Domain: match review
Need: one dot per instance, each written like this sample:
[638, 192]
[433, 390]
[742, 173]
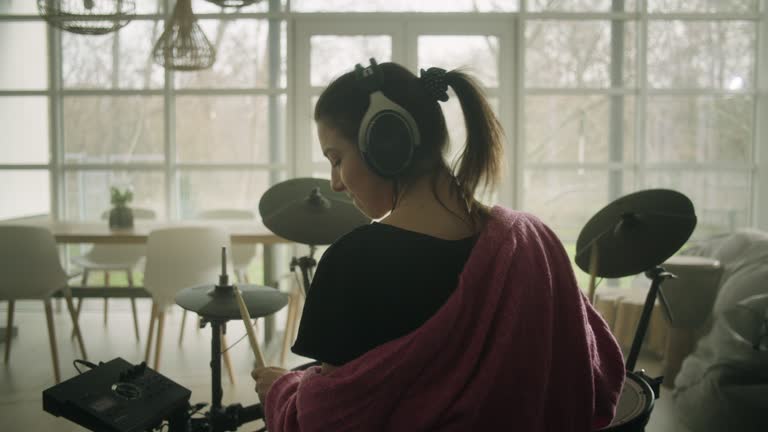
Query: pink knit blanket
[516, 347]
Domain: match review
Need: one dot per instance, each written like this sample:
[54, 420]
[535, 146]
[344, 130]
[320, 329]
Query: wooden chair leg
[78, 308]
[106, 305]
[297, 317]
[152, 318]
[290, 319]
[9, 330]
[52, 339]
[242, 276]
[158, 344]
[83, 282]
[183, 321]
[133, 306]
[75, 324]
[227, 361]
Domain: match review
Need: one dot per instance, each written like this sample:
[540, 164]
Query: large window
[97, 111]
[599, 98]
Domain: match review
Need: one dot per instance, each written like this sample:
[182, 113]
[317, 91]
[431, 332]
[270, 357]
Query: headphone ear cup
[388, 136]
[388, 144]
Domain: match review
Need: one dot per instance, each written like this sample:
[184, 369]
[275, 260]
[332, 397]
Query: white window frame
[404, 29]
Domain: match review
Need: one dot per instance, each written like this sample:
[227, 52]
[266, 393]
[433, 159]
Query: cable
[83, 362]
[239, 340]
[197, 407]
[162, 427]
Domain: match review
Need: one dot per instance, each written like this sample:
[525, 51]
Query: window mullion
[760, 147]
[616, 116]
[55, 131]
[642, 98]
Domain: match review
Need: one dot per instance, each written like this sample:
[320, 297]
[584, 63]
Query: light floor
[29, 370]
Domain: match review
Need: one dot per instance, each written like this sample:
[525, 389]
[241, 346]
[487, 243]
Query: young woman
[445, 314]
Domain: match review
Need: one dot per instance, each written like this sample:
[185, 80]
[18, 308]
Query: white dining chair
[110, 258]
[30, 270]
[178, 258]
[242, 255]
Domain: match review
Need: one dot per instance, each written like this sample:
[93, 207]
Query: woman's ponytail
[480, 162]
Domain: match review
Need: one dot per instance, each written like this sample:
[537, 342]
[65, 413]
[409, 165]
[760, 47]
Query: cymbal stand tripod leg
[657, 276]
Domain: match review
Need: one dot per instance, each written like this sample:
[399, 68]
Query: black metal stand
[307, 265]
[222, 418]
[657, 276]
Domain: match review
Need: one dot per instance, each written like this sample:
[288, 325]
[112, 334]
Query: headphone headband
[369, 77]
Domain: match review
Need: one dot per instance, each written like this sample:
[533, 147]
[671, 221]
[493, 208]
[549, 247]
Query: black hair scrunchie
[433, 80]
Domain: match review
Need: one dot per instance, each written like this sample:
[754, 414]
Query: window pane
[113, 129]
[148, 6]
[317, 152]
[24, 54]
[137, 68]
[222, 129]
[578, 5]
[242, 56]
[567, 199]
[577, 128]
[24, 122]
[404, 5]
[699, 128]
[19, 7]
[702, 6]
[721, 199]
[202, 190]
[30, 193]
[86, 61]
[87, 193]
[203, 6]
[479, 54]
[333, 56]
[693, 54]
[577, 53]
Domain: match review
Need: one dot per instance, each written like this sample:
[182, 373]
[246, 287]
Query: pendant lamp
[183, 45]
[88, 17]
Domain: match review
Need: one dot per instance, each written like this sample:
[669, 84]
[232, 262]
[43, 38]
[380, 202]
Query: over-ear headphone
[388, 134]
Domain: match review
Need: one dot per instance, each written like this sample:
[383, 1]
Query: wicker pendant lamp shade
[183, 45]
[233, 3]
[88, 17]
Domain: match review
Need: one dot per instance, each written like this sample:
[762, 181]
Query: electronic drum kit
[634, 234]
[303, 210]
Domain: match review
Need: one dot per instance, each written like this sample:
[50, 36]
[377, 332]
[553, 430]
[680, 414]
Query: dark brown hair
[344, 102]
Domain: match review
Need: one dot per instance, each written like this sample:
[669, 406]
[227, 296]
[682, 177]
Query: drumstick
[248, 328]
[592, 272]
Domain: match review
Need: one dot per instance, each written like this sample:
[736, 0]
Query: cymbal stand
[221, 418]
[657, 276]
[307, 265]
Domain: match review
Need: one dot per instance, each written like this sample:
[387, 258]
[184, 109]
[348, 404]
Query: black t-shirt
[374, 285]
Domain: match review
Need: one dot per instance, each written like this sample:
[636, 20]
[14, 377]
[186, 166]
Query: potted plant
[121, 216]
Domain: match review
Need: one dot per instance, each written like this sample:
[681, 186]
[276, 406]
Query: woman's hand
[264, 378]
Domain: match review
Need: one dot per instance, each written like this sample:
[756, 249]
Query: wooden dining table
[89, 232]
[99, 232]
